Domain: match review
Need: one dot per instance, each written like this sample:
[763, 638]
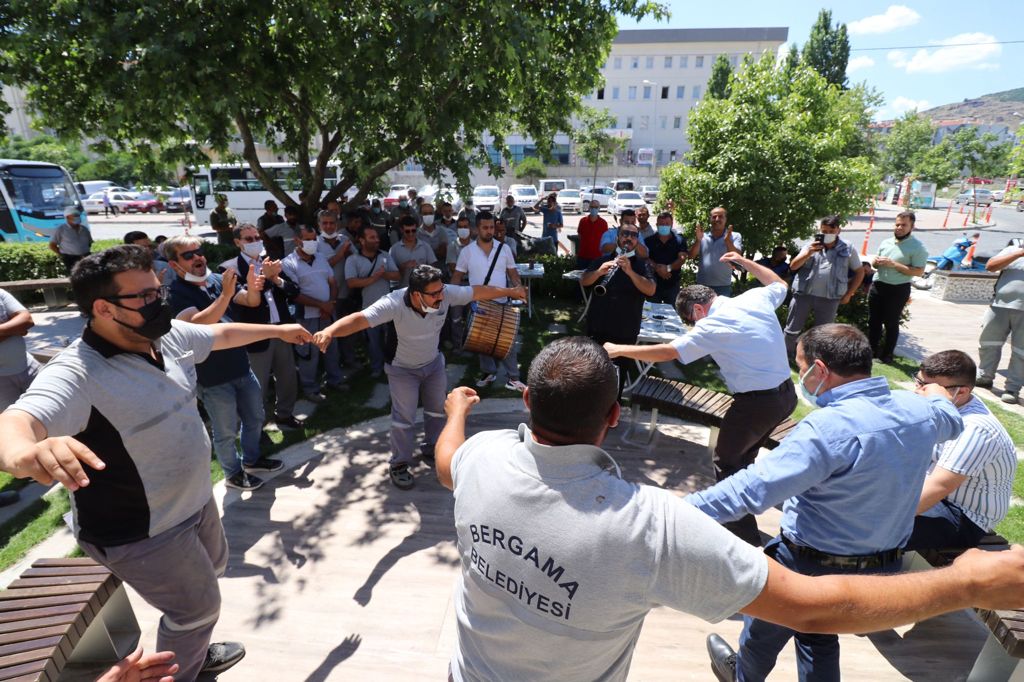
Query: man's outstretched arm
[457, 406]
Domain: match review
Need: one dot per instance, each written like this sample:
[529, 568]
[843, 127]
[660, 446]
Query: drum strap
[494, 261]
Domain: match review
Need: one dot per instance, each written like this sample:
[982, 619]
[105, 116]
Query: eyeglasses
[920, 383]
[433, 294]
[248, 240]
[632, 234]
[147, 295]
[413, 231]
[189, 255]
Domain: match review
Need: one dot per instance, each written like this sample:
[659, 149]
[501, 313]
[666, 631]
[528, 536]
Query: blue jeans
[308, 358]
[817, 656]
[944, 526]
[237, 400]
[409, 387]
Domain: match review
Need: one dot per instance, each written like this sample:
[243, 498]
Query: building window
[647, 92]
[684, 61]
[650, 62]
[615, 92]
[664, 92]
[663, 122]
[680, 91]
[618, 62]
[600, 93]
[672, 156]
[668, 62]
[659, 155]
[634, 62]
[696, 92]
[698, 61]
[645, 122]
[677, 122]
[632, 92]
[629, 122]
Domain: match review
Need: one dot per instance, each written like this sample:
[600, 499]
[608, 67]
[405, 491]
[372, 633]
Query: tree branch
[249, 154]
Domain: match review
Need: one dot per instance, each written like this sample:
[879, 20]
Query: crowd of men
[868, 475]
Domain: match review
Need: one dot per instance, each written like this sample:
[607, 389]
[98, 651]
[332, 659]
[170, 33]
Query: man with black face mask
[900, 259]
[113, 417]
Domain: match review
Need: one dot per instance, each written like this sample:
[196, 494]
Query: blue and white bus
[33, 196]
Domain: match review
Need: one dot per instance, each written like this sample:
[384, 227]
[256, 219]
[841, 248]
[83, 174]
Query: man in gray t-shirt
[1004, 320]
[17, 367]
[369, 273]
[708, 249]
[417, 368]
[411, 251]
[562, 558]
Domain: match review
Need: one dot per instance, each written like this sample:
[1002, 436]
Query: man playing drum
[415, 366]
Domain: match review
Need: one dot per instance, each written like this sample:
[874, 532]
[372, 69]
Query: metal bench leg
[54, 297]
[995, 665]
[112, 635]
[634, 418]
[712, 441]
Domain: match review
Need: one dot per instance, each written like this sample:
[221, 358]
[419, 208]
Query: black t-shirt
[665, 253]
[222, 365]
[616, 316]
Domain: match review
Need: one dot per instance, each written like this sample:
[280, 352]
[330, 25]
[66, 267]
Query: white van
[623, 184]
[549, 185]
[90, 187]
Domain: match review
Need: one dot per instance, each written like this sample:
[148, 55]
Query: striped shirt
[985, 454]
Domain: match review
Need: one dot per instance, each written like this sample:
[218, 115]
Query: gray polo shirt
[421, 253]
[71, 241]
[358, 266]
[562, 559]
[13, 359]
[1010, 285]
[418, 334]
[712, 271]
[140, 416]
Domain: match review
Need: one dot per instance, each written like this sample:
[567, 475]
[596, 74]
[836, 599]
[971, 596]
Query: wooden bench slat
[34, 670]
[71, 561]
[33, 623]
[57, 581]
[59, 600]
[65, 570]
[39, 656]
[15, 616]
[50, 591]
[34, 633]
[41, 643]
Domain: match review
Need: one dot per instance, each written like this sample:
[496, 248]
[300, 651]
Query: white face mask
[830, 238]
[627, 254]
[252, 249]
[189, 277]
[428, 220]
[463, 233]
[309, 246]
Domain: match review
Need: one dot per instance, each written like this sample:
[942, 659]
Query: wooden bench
[55, 290]
[64, 619]
[693, 403]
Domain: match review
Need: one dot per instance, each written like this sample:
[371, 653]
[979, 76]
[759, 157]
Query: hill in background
[994, 109]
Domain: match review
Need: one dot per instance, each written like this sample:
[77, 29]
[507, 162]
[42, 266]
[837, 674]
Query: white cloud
[895, 17]
[902, 105]
[858, 63]
[977, 55]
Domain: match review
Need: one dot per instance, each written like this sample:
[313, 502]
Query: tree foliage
[774, 154]
[718, 82]
[530, 168]
[121, 167]
[593, 142]
[364, 84]
[976, 153]
[907, 144]
[827, 49]
[42, 148]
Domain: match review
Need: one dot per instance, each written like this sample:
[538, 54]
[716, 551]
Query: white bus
[246, 194]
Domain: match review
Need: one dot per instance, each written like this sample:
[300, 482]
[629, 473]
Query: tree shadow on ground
[941, 648]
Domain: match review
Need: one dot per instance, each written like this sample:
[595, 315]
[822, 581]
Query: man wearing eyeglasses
[229, 390]
[967, 491]
[113, 418]
[411, 251]
[417, 368]
[621, 281]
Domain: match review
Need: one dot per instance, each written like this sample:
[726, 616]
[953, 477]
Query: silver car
[981, 197]
[570, 201]
[650, 193]
[487, 198]
[603, 195]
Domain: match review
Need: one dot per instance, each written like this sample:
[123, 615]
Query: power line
[935, 47]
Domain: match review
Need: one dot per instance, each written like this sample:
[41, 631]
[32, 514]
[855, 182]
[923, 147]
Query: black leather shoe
[723, 659]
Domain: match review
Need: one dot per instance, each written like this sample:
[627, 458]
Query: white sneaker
[486, 381]
[515, 385]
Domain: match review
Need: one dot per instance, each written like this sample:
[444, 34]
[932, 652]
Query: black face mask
[157, 319]
[899, 238]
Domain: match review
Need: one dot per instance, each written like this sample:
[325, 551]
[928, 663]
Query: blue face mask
[664, 230]
[811, 397]
[594, 212]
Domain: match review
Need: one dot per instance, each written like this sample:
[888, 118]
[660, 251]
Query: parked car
[394, 193]
[620, 184]
[981, 197]
[603, 195]
[435, 195]
[623, 200]
[144, 203]
[93, 203]
[650, 193]
[486, 198]
[570, 201]
[525, 196]
[549, 185]
[178, 200]
[978, 181]
[998, 195]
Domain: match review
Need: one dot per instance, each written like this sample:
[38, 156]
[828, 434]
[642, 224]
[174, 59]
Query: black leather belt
[840, 561]
[767, 391]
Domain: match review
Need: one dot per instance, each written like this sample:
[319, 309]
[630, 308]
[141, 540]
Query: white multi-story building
[653, 77]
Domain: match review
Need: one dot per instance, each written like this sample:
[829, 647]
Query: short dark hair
[951, 364]
[421, 276]
[573, 385]
[484, 215]
[268, 203]
[907, 214]
[292, 210]
[407, 221]
[831, 221]
[93, 277]
[779, 248]
[236, 232]
[308, 228]
[134, 236]
[842, 347]
[690, 296]
[627, 212]
[363, 228]
[353, 214]
[665, 215]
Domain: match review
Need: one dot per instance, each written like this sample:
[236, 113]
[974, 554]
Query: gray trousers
[489, 365]
[309, 358]
[427, 384]
[996, 326]
[800, 308]
[176, 572]
[13, 385]
[279, 360]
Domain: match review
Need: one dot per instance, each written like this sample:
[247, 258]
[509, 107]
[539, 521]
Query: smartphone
[819, 238]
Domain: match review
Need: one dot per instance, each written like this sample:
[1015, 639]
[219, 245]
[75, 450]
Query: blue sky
[920, 77]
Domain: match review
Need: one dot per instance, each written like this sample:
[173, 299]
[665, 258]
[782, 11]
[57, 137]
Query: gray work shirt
[327, 251]
[139, 415]
[72, 241]
[358, 266]
[1010, 285]
[12, 349]
[824, 261]
[418, 334]
[421, 253]
[562, 559]
[711, 271]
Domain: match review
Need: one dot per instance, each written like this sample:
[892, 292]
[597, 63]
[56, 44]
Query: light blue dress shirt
[849, 475]
[744, 337]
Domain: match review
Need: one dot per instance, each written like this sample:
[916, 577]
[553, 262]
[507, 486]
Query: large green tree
[775, 154]
[42, 148]
[593, 142]
[718, 82]
[827, 49]
[365, 83]
[531, 168]
[907, 143]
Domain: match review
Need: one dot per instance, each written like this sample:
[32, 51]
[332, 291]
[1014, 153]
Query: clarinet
[601, 288]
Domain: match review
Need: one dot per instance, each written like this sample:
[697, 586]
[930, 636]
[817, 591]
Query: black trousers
[745, 427]
[69, 261]
[885, 305]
